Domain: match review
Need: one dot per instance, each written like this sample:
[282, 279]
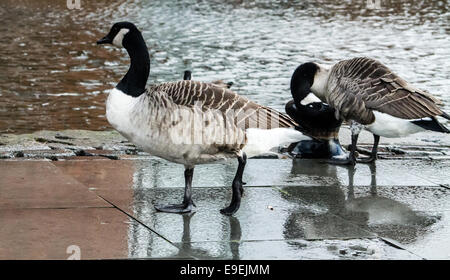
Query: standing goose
[189, 122]
[369, 95]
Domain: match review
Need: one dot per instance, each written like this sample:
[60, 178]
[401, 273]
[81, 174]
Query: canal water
[53, 76]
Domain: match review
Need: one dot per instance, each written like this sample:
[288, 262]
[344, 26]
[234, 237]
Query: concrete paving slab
[374, 249]
[434, 244]
[255, 219]
[316, 173]
[100, 173]
[259, 172]
[39, 184]
[325, 206]
[435, 171]
[394, 198]
[416, 216]
[285, 202]
[405, 214]
[94, 233]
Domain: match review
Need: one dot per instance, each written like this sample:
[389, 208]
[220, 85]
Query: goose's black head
[187, 75]
[316, 119]
[122, 34]
[302, 80]
[125, 34]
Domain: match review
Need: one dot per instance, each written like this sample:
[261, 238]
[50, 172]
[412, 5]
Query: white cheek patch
[320, 82]
[310, 98]
[117, 41]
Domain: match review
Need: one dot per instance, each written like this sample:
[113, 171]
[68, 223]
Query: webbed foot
[230, 210]
[366, 159]
[175, 208]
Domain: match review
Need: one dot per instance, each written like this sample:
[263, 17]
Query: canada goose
[369, 95]
[317, 120]
[187, 75]
[189, 122]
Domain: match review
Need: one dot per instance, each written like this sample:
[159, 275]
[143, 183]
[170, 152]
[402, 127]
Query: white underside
[262, 141]
[124, 115]
[391, 127]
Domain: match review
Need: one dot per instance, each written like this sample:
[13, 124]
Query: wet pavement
[398, 208]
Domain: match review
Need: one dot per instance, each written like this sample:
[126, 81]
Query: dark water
[53, 76]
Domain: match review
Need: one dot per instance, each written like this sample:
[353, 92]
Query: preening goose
[315, 119]
[189, 122]
[369, 95]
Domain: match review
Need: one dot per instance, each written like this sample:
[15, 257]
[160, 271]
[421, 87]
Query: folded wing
[360, 85]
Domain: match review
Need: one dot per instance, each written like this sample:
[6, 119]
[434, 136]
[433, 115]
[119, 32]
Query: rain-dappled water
[53, 75]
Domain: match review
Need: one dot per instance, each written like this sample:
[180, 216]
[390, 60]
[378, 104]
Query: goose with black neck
[315, 119]
[368, 95]
[186, 121]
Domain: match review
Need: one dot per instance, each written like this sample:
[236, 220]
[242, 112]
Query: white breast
[118, 109]
[135, 120]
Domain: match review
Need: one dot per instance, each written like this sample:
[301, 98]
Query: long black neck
[134, 82]
[300, 88]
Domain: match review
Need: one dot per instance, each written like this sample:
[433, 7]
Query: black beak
[104, 40]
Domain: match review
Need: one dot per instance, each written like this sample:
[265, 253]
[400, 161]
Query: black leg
[373, 180]
[351, 177]
[373, 154]
[187, 204]
[237, 188]
[235, 237]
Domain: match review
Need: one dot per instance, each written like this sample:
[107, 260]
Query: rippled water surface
[53, 75]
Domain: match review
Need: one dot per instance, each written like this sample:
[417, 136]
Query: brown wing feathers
[363, 84]
[210, 96]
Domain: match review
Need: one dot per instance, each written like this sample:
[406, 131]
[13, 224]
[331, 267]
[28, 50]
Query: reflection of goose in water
[188, 250]
[318, 173]
[235, 237]
[144, 244]
[387, 216]
[324, 209]
[141, 243]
